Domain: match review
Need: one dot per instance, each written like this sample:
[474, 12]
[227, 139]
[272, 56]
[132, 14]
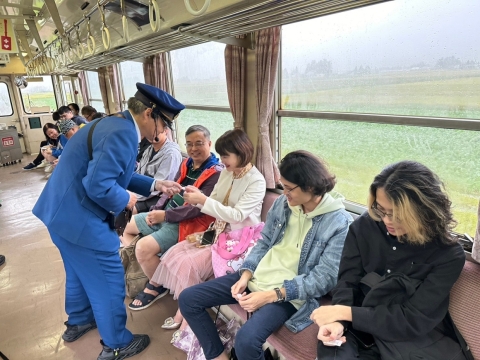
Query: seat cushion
[464, 299]
[268, 201]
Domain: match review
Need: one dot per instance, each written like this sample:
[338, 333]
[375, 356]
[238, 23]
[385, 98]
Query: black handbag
[119, 222]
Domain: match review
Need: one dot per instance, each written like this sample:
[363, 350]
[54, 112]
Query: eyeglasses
[197, 145]
[287, 192]
[380, 213]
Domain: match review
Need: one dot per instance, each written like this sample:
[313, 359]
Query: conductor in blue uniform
[77, 204]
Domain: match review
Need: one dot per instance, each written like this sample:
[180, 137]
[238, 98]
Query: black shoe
[136, 346]
[30, 166]
[2, 260]
[74, 332]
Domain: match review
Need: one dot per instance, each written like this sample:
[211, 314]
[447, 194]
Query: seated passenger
[51, 133]
[142, 146]
[403, 243]
[160, 161]
[235, 202]
[74, 108]
[294, 264]
[67, 114]
[90, 113]
[67, 129]
[172, 219]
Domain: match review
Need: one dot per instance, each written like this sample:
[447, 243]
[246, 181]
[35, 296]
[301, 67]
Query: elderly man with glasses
[171, 219]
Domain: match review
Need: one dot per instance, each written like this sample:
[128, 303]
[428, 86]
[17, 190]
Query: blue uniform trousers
[95, 289]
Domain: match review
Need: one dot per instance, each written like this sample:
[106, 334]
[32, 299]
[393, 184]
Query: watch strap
[280, 297]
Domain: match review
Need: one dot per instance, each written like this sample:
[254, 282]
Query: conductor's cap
[161, 103]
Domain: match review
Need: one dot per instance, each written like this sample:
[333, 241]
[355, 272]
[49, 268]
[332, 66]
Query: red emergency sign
[8, 141]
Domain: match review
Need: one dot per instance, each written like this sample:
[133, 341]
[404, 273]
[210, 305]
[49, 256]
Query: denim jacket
[319, 258]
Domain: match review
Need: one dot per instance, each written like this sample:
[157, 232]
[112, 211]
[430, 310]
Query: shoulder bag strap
[89, 140]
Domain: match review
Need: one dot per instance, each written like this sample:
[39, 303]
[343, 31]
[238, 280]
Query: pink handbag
[232, 248]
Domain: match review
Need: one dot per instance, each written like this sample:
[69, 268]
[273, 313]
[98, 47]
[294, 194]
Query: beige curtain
[235, 68]
[476, 243]
[82, 79]
[156, 72]
[113, 78]
[104, 84]
[267, 53]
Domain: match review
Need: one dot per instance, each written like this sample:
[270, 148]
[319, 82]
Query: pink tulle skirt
[182, 266]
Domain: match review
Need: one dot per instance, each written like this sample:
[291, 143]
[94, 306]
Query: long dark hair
[419, 202]
[45, 129]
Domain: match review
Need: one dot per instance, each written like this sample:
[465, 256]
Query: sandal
[170, 324]
[148, 299]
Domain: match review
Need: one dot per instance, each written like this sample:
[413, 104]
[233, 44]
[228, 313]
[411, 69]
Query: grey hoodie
[163, 166]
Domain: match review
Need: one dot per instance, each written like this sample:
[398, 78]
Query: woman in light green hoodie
[295, 263]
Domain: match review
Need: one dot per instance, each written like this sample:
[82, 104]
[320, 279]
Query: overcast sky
[391, 34]
[397, 33]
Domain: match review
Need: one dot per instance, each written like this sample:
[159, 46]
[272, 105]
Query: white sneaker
[48, 168]
[43, 164]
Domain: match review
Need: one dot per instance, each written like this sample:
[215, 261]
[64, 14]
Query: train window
[39, 93]
[215, 121]
[6, 108]
[94, 92]
[199, 74]
[131, 73]
[403, 57]
[356, 152]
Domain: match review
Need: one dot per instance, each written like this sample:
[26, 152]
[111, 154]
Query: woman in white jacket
[235, 202]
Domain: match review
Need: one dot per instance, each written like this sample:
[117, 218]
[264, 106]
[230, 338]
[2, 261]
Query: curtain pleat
[267, 54]
[235, 68]
[104, 84]
[155, 71]
[112, 71]
[82, 79]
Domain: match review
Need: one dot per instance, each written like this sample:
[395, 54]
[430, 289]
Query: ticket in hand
[333, 343]
[239, 296]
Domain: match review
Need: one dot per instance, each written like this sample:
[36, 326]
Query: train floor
[32, 283]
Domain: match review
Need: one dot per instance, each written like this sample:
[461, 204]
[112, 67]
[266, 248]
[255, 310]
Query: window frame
[390, 119]
[90, 99]
[124, 101]
[10, 99]
[43, 112]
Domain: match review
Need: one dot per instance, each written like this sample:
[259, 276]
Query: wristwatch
[280, 297]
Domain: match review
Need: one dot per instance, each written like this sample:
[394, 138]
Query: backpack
[135, 279]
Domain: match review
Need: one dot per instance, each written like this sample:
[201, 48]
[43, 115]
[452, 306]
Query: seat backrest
[268, 200]
[464, 300]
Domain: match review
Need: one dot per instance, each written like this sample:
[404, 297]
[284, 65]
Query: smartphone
[208, 237]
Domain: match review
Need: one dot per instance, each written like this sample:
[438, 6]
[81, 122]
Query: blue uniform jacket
[80, 193]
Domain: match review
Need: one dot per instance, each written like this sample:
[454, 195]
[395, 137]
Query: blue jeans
[252, 335]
